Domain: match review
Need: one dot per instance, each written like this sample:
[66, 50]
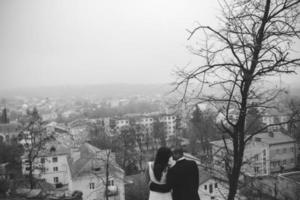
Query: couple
[179, 181]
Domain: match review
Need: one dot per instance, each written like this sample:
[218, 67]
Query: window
[92, 186]
[284, 150]
[54, 159]
[216, 185]
[55, 169]
[292, 160]
[55, 179]
[205, 187]
[292, 149]
[256, 169]
[111, 182]
[43, 169]
[284, 162]
[42, 160]
[52, 149]
[210, 188]
[277, 150]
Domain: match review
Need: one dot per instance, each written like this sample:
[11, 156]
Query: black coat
[182, 179]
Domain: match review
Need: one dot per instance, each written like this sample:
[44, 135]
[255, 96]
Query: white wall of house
[213, 189]
[54, 169]
[282, 155]
[256, 156]
[93, 187]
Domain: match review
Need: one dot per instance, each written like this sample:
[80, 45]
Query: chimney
[271, 134]
[75, 154]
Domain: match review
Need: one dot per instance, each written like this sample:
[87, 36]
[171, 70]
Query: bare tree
[159, 132]
[139, 135]
[253, 43]
[127, 153]
[35, 138]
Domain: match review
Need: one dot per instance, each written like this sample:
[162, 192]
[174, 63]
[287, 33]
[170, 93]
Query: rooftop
[92, 160]
[294, 176]
[53, 148]
[274, 138]
[267, 138]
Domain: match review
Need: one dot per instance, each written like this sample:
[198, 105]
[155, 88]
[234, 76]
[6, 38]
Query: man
[182, 178]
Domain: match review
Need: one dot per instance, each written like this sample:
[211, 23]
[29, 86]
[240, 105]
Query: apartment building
[256, 155]
[120, 123]
[265, 154]
[282, 150]
[170, 124]
[146, 123]
[275, 119]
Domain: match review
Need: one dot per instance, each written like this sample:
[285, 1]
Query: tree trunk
[107, 175]
[31, 181]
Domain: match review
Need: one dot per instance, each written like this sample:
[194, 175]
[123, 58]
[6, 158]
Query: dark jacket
[183, 179]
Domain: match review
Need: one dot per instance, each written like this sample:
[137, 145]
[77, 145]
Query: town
[150, 100]
[57, 149]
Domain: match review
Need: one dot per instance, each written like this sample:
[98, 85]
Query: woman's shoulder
[150, 164]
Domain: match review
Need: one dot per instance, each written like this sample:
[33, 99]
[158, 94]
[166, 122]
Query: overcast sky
[66, 42]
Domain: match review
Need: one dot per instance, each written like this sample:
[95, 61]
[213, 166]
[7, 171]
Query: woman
[157, 174]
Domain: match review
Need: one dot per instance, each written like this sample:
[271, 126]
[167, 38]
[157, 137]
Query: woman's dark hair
[161, 161]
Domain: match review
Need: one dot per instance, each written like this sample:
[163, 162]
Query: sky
[78, 42]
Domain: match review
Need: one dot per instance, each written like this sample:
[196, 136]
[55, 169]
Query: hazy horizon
[89, 42]
[75, 42]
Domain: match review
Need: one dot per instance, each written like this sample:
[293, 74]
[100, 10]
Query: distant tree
[138, 189]
[4, 117]
[148, 139]
[139, 137]
[253, 120]
[159, 132]
[203, 129]
[127, 154]
[4, 186]
[11, 153]
[99, 138]
[36, 137]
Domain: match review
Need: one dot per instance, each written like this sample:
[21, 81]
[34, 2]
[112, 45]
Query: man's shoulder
[189, 163]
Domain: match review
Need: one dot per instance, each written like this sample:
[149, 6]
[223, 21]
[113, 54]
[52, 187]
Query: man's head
[177, 153]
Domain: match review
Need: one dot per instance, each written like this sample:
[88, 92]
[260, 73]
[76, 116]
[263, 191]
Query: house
[5, 172]
[264, 154]
[89, 174]
[212, 187]
[51, 164]
[282, 150]
[255, 157]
